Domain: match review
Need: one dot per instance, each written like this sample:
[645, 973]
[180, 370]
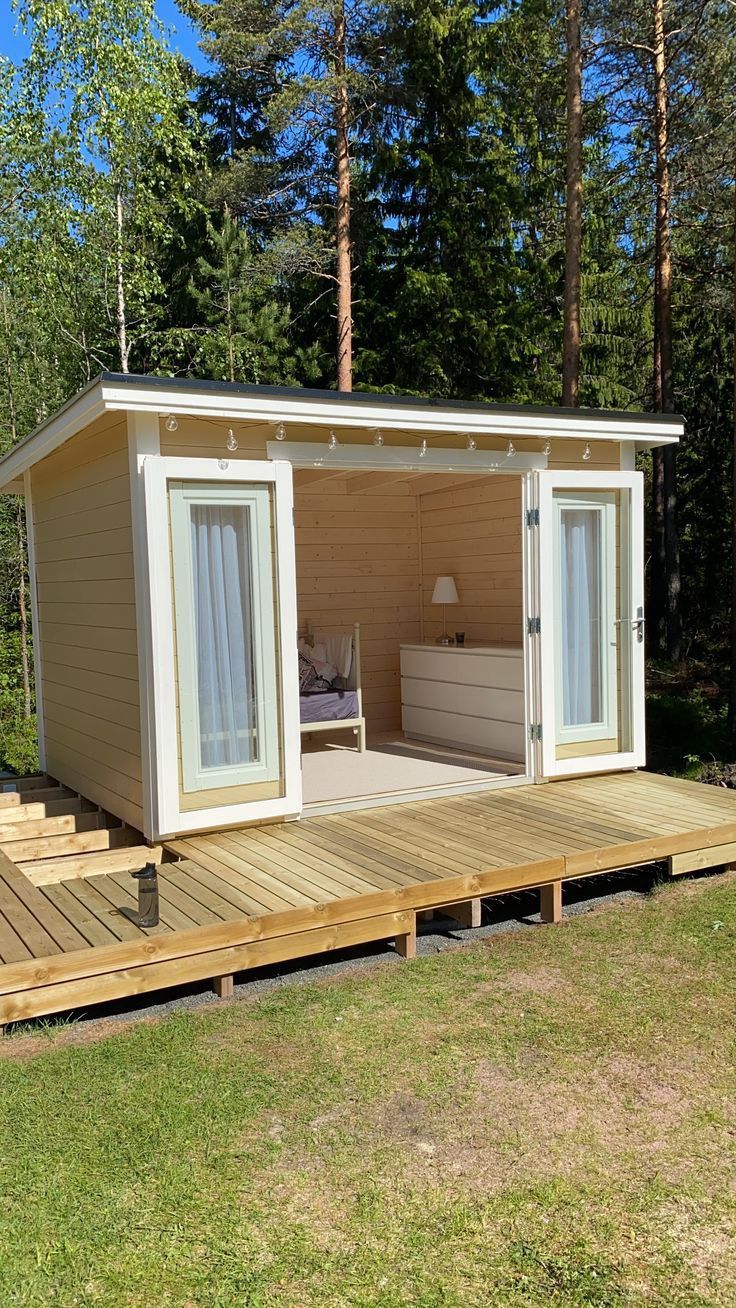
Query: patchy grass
[543, 1119]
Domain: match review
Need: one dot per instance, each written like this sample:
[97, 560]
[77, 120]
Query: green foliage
[18, 740]
[243, 332]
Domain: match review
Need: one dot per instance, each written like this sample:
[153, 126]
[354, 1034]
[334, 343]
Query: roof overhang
[271, 405]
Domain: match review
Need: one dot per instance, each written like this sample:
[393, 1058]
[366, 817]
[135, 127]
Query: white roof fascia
[435, 419]
[104, 396]
[75, 415]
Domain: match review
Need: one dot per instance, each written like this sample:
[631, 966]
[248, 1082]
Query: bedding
[328, 706]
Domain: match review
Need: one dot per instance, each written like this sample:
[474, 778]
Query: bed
[330, 702]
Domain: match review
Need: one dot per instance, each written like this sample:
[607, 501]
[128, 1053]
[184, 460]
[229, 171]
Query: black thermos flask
[147, 879]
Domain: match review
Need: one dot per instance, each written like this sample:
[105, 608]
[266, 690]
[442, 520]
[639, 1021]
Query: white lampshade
[445, 591]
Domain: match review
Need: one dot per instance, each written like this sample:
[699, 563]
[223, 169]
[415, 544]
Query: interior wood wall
[357, 560]
[473, 533]
[87, 618]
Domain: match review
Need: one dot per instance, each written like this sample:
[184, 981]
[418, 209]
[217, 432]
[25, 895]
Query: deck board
[243, 897]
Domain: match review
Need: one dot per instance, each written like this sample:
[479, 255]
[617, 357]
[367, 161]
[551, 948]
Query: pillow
[307, 673]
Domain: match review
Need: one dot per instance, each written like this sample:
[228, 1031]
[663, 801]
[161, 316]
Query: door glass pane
[223, 619]
[580, 616]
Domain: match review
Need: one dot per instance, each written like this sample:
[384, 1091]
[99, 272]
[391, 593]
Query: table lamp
[445, 592]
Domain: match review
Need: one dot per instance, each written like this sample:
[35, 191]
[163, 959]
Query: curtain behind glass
[221, 573]
[581, 635]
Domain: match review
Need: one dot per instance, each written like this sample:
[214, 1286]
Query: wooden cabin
[258, 611]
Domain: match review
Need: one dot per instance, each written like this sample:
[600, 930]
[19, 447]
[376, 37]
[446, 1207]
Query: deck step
[34, 812]
[60, 825]
[49, 871]
[81, 842]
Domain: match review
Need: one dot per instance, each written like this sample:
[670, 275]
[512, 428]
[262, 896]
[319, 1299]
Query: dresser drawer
[469, 701]
[501, 671]
[498, 739]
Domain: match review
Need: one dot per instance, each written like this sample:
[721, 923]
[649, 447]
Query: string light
[280, 432]
[586, 452]
[423, 448]
[333, 442]
[223, 465]
[171, 424]
[510, 450]
[378, 437]
[232, 440]
[471, 443]
[547, 448]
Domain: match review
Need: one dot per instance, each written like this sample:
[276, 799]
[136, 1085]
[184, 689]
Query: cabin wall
[87, 619]
[473, 534]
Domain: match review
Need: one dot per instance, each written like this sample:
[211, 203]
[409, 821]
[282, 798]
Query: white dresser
[466, 695]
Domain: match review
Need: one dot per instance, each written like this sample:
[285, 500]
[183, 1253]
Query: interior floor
[334, 770]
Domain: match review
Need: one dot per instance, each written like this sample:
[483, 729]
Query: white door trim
[170, 820]
[548, 483]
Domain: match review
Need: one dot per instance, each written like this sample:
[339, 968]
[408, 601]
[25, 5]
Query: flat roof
[239, 401]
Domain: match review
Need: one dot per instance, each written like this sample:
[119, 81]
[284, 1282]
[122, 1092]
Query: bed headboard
[312, 636]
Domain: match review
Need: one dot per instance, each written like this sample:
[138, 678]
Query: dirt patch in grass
[20, 1045]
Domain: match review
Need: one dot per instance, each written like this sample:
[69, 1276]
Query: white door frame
[168, 818]
[545, 663]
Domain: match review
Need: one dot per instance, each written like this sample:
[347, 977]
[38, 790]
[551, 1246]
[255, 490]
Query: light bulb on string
[547, 448]
[586, 452]
[171, 423]
[471, 443]
[280, 432]
[423, 448]
[510, 450]
[223, 465]
[378, 437]
[232, 440]
[333, 442]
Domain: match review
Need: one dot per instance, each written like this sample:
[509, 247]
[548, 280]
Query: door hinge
[532, 517]
[533, 626]
[535, 731]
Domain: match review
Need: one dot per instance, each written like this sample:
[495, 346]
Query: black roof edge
[373, 397]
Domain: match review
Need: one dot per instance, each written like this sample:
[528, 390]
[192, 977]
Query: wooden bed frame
[354, 682]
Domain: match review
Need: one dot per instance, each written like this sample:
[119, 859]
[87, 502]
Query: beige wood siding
[473, 534]
[87, 618]
[357, 560]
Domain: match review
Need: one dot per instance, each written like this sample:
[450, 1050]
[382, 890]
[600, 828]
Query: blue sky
[182, 36]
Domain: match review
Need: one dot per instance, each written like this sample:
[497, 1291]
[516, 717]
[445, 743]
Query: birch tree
[106, 87]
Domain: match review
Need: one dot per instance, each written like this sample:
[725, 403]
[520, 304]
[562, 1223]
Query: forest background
[526, 201]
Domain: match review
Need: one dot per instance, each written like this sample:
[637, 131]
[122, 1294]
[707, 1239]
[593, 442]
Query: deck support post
[466, 914]
[425, 915]
[223, 986]
[550, 902]
[406, 945]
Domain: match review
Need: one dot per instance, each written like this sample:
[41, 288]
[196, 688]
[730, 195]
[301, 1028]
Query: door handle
[636, 624]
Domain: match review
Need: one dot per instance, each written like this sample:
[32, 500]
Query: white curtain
[580, 582]
[223, 616]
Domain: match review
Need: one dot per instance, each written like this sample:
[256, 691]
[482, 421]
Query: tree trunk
[573, 209]
[344, 266]
[23, 609]
[121, 313]
[663, 373]
[732, 685]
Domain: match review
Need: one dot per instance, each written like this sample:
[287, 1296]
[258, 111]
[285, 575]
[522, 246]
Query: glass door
[591, 637]
[225, 637]
[221, 564]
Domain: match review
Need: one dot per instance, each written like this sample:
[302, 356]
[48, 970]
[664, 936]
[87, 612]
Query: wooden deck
[240, 899]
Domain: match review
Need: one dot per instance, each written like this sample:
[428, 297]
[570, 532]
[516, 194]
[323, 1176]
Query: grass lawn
[543, 1119]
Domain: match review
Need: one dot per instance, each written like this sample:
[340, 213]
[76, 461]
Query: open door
[591, 630]
[223, 639]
